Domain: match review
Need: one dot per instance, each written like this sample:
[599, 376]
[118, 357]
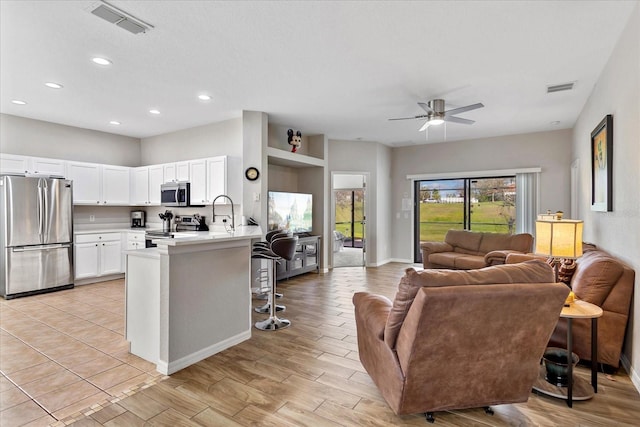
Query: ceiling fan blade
[458, 120]
[424, 126]
[426, 107]
[410, 118]
[463, 109]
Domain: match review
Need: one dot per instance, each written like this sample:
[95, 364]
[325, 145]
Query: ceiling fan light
[436, 121]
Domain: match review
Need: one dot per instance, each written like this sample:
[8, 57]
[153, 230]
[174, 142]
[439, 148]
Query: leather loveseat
[607, 282]
[459, 339]
[465, 250]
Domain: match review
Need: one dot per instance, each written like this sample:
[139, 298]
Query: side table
[576, 310]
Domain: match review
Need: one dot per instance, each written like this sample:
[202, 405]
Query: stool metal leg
[273, 323]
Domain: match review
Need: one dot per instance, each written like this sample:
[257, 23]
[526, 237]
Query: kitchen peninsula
[189, 297]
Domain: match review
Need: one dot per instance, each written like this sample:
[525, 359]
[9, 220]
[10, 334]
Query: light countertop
[215, 234]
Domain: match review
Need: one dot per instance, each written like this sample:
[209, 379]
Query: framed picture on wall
[602, 166]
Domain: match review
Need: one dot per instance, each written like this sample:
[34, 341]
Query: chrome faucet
[213, 213]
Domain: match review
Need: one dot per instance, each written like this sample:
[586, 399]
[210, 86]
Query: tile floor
[63, 353]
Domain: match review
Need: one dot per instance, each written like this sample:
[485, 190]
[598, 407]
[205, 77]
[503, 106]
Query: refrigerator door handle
[40, 213]
[45, 210]
[41, 247]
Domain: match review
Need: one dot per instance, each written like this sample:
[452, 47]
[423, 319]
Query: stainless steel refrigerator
[36, 220]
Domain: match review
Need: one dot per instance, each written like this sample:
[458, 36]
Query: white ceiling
[338, 68]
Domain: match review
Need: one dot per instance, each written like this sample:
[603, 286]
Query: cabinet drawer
[99, 237]
[135, 237]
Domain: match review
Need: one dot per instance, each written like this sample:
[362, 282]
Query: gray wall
[618, 93]
[374, 158]
[215, 139]
[29, 137]
[550, 151]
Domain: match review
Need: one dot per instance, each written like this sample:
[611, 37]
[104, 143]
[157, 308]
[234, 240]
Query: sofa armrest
[372, 312]
[515, 258]
[433, 247]
[499, 257]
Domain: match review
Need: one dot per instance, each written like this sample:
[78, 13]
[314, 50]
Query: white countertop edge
[202, 237]
[144, 253]
[110, 230]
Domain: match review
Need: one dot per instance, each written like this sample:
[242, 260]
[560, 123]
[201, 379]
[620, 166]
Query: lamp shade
[559, 238]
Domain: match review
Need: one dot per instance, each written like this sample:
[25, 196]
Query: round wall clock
[252, 173]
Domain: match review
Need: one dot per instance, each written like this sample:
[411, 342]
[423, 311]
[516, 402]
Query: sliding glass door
[478, 204]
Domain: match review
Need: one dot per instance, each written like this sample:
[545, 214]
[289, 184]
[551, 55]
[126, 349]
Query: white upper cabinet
[98, 184]
[140, 186]
[170, 173]
[198, 180]
[115, 185]
[217, 179]
[15, 164]
[156, 179]
[86, 183]
[95, 184]
[182, 171]
[145, 186]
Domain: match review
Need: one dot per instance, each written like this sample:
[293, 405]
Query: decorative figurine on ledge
[295, 140]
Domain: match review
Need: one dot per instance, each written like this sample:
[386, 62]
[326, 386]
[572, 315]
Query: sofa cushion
[469, 262]
[534, 271]
[517, 242]
[444, 258]
[466, 242]
[596, 274]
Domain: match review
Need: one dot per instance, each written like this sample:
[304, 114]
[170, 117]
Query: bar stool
[282, 248]
[262, 273]
[264, 288]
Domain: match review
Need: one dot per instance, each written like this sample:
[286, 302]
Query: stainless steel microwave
[175, 194]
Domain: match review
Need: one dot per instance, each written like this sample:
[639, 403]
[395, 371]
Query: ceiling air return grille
[121, 19]
[560, 87]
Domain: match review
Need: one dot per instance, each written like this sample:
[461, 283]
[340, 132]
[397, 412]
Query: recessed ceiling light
[53, 85]
[18, 102]
[101, 61]
[555, 123]
[204, 97]
[114, 122]
[154, 111]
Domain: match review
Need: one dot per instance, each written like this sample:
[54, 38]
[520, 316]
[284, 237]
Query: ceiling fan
[436, 115]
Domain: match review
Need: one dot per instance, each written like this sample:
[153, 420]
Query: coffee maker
[137, 219]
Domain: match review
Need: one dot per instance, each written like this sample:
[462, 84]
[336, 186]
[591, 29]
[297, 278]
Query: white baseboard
[90, 280]
[401, 260]
[633, 374]
[188, 360]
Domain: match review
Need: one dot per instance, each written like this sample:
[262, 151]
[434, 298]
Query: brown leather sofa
[465, 250]
[605, 281]
[459, 339]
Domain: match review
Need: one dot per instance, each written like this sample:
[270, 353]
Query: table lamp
[558, 238]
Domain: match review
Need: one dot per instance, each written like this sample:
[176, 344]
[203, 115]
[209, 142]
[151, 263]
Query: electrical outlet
[92, 218]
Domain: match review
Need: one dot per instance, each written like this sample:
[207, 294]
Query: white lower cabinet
[97, 255]
[135, 240]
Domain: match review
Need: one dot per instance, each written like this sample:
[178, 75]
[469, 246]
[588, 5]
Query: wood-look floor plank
[212, 418]
[304, 418]
[310, 374]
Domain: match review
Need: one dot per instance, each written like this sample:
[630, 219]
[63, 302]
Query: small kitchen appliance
[191, 223]
[175, 194]
[137, 219]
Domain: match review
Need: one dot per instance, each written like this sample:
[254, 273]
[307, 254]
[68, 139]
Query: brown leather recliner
[607, 282]
[459, 339]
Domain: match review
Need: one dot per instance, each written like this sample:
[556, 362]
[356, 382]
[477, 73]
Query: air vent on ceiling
[560, 87]
[121, 19]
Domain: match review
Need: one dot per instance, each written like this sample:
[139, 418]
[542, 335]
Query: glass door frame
[467, 208]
